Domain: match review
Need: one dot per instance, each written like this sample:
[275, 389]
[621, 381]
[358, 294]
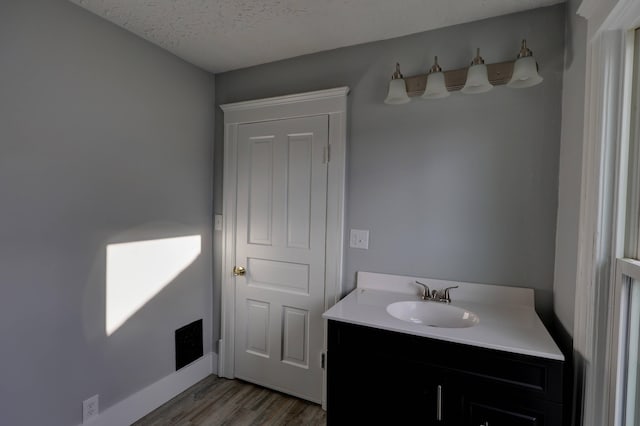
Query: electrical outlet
[90, 408]
[359, 238]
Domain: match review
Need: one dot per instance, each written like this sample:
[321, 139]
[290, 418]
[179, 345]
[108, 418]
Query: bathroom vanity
[503, 368]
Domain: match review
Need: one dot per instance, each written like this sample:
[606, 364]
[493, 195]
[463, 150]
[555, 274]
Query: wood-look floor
[217, 401]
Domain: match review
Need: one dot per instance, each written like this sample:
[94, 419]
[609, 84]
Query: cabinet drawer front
[510, 412]
[484, 415]
[539, 377]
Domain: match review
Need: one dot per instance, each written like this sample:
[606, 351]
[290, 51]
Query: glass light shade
[436, 87]
[525, 73]
[397, 92]
[477, 80]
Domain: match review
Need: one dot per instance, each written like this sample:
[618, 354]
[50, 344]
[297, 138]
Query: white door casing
[280, 240]
[331, 103]
[601, 213]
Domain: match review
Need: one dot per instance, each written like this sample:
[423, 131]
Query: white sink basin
[433, 314]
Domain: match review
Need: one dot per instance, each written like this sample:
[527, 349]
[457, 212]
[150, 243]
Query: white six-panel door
[281, 242]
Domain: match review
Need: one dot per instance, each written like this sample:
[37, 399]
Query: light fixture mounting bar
[499, 73]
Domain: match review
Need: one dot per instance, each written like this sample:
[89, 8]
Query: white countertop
[512, 327]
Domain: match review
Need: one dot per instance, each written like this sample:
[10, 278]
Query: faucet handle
[425, 290]
[445, 292]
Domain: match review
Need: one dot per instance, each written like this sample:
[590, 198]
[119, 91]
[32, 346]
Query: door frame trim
[331, 102]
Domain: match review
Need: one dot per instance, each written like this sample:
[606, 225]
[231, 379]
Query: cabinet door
[415, 393]
[421, 394]
[377, 390]
[375, 379]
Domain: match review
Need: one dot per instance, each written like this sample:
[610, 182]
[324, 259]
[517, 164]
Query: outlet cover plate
[359, 238]
[90, 408]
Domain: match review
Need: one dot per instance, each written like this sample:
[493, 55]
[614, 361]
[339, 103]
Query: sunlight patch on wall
[137, 271]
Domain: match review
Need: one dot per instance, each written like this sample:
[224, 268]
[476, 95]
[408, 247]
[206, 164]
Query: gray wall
[103, 138]
[564, 286]
[463, 188]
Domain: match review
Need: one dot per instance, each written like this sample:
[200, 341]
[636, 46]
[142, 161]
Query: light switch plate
[359, 239]
[217, 222]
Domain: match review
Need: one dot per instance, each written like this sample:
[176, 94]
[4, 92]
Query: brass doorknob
[239, 270]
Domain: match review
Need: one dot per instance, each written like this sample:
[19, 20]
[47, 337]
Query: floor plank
[217, 401]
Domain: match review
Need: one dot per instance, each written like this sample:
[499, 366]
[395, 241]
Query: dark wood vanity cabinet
[384, 377]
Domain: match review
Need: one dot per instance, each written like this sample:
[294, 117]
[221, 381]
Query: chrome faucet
[441, 295]
[425, 294]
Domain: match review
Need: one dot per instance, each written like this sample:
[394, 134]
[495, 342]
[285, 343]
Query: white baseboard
[148, 399]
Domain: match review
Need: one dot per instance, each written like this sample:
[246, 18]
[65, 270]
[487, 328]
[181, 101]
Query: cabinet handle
[439, 402]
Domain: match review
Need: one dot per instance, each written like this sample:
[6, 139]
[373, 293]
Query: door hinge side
[326, 154]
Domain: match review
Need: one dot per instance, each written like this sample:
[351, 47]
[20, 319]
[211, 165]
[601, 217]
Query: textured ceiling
[221, 35]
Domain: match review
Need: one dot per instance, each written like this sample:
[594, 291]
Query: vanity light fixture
[478, 78]
[436, 87]
[525, 70]
[397, 89]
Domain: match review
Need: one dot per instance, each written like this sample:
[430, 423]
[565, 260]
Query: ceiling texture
[223, 35]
